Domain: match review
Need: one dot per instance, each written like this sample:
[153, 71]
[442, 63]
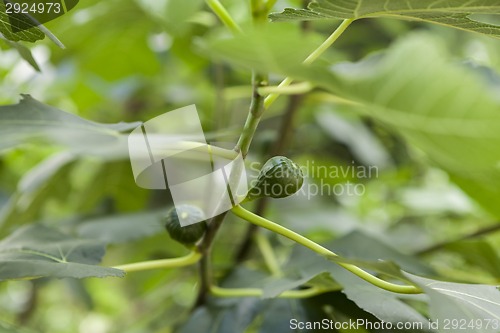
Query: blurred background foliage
[131, 60]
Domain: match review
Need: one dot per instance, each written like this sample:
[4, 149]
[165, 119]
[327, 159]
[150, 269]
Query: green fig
[280, 177]
[189, 234]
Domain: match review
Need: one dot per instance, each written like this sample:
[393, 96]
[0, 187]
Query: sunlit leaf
[452, 13]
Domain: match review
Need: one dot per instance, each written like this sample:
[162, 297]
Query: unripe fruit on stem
[189, 234]
[280, 177]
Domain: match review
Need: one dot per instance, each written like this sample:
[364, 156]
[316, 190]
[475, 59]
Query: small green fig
[280, 177]
[189, 234]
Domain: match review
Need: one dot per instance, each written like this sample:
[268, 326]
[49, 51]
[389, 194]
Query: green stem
[205, 248]
[267, 224]
[254, 115]
[255, 292]
[187, 260]
[242, 146]
[268, 254]
[298, 88]
[270, 99]
[328, 42]
[224, 15]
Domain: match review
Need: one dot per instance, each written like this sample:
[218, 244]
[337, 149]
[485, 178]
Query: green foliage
[419, 107]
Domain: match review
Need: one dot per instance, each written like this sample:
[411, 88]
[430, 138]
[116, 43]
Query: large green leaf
[31, 120]
[472, 308]
[36, 251]
[444, 109]
[452, 13]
